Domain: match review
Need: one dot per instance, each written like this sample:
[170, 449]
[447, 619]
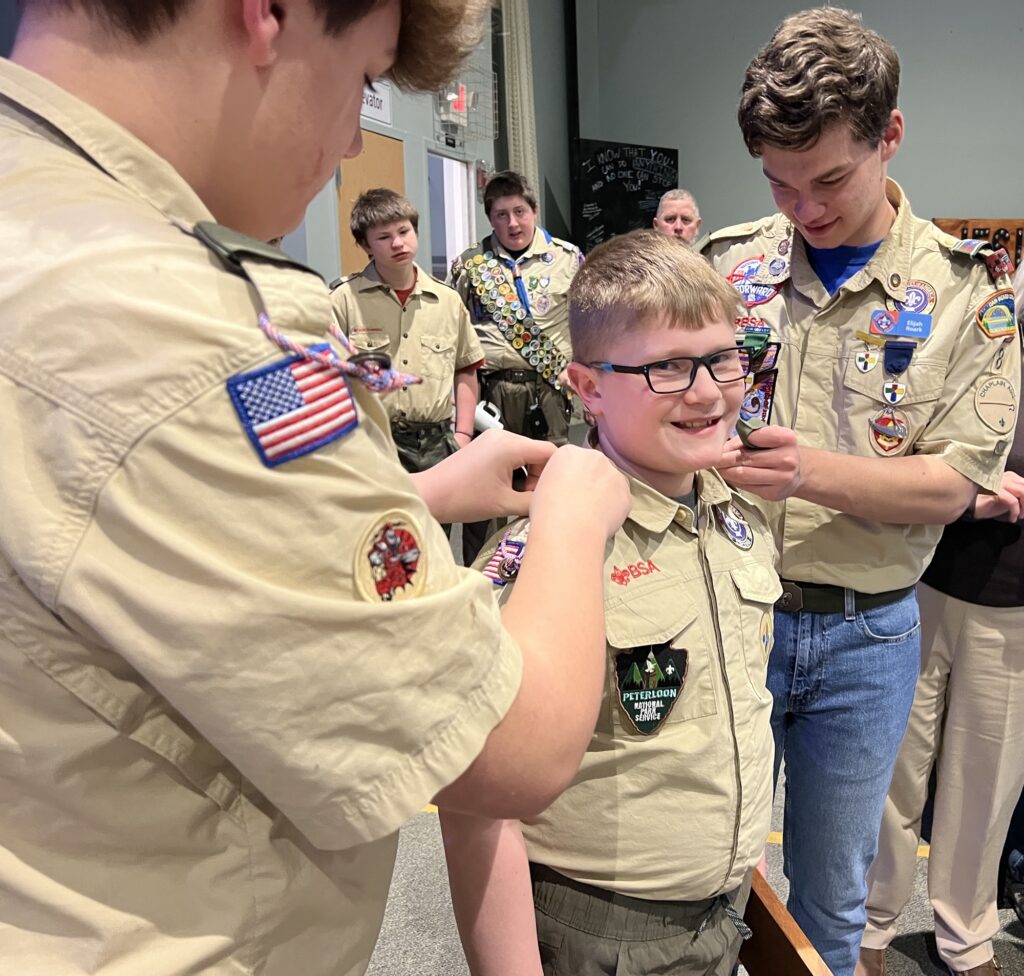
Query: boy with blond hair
[395, 307]
[637, 867]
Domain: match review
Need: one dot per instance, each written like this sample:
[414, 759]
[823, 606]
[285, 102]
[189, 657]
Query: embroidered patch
[752, 292]
[967, 246]
[503, 567]
[757, 401]
[998, 264]
[649, 681]
[390, 564]
[735, 526]
[995, 315]
[293, 407]
[996, 404]
[766, 634]
[921, 297]
[889, 431]
[622, 575]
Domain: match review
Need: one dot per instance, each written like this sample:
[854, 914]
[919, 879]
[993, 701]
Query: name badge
[908, 325]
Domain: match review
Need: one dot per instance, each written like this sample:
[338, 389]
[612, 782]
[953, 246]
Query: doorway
[452, 214]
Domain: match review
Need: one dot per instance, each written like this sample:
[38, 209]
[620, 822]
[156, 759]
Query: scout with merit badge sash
[299, 404]
[649, 679]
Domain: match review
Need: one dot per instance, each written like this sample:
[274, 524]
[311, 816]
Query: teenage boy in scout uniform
[636, 867]
[889, 347]
[393, 306]
[235, 653]
[515, 283]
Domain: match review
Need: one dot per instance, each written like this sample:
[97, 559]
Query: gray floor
[419, 935]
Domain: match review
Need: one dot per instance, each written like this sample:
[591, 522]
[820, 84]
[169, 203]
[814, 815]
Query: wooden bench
[778, 947]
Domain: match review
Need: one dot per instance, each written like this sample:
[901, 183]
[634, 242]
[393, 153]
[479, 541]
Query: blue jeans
[842, 686]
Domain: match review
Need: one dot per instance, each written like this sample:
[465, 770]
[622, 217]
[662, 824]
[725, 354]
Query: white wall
[668, 73]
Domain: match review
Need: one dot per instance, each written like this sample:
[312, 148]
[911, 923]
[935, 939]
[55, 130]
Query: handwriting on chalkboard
[618, 187]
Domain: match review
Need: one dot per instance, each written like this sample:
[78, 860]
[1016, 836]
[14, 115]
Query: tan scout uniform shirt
[681, 813]
[211, 726]
[546, 270]
[830, 401]
[430, 337]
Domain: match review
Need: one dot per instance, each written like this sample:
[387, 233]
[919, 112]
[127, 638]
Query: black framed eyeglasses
[677, 375]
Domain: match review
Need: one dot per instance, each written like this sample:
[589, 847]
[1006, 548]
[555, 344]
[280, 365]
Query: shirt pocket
[656, 617]
[757, 589]
[370, 341]
[437, 356]
[863, 399]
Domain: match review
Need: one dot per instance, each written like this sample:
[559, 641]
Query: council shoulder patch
[995, 315]
[649, 680]
[390, 563]
[292, 407]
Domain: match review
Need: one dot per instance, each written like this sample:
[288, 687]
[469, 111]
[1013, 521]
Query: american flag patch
[292, 407]
[508, 552]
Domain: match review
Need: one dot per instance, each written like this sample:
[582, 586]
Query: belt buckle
[518, 375]
[792, 598]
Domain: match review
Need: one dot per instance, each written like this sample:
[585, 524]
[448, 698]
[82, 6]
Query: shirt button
[405, 362]
[405, 335]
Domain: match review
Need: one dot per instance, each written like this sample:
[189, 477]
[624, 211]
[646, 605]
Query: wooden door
[381, 163]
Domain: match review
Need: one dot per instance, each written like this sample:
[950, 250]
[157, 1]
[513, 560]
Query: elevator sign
[377, 103]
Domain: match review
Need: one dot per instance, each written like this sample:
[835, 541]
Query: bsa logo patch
[390, 565]
[735, 526]
[882, 322]
[995, 315]
[649, 680]
[622, 576]
[752, 292]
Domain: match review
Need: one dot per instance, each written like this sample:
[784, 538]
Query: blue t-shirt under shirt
[834, 265]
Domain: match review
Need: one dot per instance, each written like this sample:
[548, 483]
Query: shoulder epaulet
[749, 229]
[565, 245]
[443, 284]
[232, 247]
[997, 261]
[344, 280]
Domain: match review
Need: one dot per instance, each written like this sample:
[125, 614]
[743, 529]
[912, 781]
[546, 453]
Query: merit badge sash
[496, 292]
[649, 680]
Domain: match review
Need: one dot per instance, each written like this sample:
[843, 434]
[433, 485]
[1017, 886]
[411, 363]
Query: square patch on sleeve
[293, 407]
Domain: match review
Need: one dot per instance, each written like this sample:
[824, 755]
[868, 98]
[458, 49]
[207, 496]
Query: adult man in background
[678, 215]
[235, 652]
[515, 283]
[880, 341]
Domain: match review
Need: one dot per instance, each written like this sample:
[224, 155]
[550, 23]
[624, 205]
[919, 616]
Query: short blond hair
[638, 277]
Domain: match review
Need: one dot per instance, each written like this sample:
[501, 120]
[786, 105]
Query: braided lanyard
[372, 369]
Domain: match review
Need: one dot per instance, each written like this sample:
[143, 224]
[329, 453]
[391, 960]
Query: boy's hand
[577, 486]
[1007, 504]
[475, 483]
[770, 470]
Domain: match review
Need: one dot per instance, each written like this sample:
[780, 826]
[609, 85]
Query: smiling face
[392, 247]
[834, 192]
[662, 438]
[514, 222]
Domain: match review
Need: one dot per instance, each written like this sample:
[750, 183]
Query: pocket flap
[757, 583]
[923, 382]
[370, 341]
[647, 613]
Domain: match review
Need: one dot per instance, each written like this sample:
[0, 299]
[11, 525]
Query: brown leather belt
[513, 375]
[825, 598]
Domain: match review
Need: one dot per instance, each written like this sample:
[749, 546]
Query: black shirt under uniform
[983, 562]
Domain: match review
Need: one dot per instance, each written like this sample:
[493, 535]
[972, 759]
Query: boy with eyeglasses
[639, 865]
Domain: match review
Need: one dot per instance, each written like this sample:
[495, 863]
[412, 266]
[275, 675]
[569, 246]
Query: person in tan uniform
[393, 306]
[235, 653]
[514, 283]
[889, 348]
[635, 869]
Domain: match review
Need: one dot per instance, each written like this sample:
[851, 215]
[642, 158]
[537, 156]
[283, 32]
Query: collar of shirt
[30, 98]
[655, 512]
[370, 279]
[540, 244]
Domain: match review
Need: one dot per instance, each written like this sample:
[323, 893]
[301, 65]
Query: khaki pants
[967, 719]
[585, 931]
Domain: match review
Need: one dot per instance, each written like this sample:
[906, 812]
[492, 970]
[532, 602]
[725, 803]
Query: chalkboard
[618, 186]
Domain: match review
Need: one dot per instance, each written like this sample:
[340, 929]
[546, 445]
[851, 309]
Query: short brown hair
[380, 206]
[821, 67]
[508, 184]
[641, 276]
[435, 37]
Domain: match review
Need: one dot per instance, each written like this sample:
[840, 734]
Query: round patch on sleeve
[390, 563]
[996, 404]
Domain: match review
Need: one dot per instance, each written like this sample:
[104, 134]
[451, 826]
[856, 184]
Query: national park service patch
[649, 680]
